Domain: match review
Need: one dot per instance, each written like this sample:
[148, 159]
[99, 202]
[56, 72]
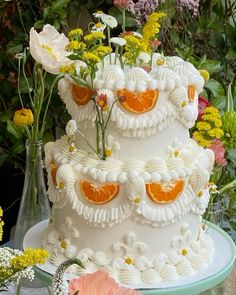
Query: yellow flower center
[63, 244]
[71, 148]
[184, 252]
[160, 62]
[176, 153]
[108, 152]
[137, 200]
[61, 185]
[205, 74]
[183, 104]
[128, 260]
[199, 194]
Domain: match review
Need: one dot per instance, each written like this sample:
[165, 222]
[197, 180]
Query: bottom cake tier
[132, 253]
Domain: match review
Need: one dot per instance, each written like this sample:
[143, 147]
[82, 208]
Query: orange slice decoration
[81, 95]
[99, 194]
[165, 193]
[191, 92]
[138, 102]
[54, 169]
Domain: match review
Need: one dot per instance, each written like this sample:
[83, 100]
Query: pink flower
[98, 283]
[219, 151]
[122, 4]
[202, 104]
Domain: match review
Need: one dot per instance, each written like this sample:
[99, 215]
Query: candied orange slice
[81, 94]
[138, 102]
[99, 194]
[191, 92]
[165, 193]
[54, 169]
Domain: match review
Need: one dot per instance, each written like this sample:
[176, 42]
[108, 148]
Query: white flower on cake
[144, 57]
[48, 48]
[71, 127]
[111, 145]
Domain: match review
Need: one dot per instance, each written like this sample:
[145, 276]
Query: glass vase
[34, 205]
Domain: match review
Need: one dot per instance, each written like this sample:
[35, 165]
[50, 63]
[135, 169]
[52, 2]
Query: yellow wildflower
[155, 16]
[30, 257]
[203, 126]
[102, 51]
[90, 57]
[75, 45]
[1, 224]
[75, 34]
[95, 36]
[150, 30]
[216, 132]
[68, 69]
[200, 139]
[23, 117]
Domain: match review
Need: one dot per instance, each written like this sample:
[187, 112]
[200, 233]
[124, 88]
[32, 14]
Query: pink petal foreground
[98, 283]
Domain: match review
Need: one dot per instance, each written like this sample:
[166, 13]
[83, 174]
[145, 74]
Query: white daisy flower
[98, 27]
[71, 127]
[108, 93]
[144, 57]
[109, 20]
[118, 41]
[98, 14]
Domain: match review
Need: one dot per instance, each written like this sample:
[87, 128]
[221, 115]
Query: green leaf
[229, 103]
[59, 4]
[211, 66]
[39, 24]
[17, 132]
[215, 88]
[14, 47]
[18, 147]
[73, 57]
[231, 155]
[231, 54]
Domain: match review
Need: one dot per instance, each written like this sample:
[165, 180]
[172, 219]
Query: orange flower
[23, 117]
[98, 283]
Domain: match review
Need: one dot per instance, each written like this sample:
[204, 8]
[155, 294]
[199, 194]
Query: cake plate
[215, 273]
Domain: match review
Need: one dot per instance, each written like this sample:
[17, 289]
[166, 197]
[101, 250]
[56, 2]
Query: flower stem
[18, 288]
[18, 83]
[109, 42]
[123, 20]
[47, 105]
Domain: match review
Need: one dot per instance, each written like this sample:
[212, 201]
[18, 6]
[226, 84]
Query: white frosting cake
[136, 213]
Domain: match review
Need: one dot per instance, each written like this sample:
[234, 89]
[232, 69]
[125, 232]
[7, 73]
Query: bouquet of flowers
[217, 131]
[16, 265]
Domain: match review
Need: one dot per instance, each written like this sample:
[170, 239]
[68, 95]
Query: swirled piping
[112, 170]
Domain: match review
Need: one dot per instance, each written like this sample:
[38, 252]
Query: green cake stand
[215, 273]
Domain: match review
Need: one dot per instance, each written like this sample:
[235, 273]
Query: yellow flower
[95, 36]
[216, 133]
[75, 45]
[23, 117]
[68, 69]
[205, 74]
[1, 224]
[102, 51]
[153, 17]
[30, 257]
[200, 139]
[75, 34]
[203, 126]
[150, 30]
[90, 57]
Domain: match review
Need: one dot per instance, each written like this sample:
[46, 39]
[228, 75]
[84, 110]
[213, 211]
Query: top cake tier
[154, 105]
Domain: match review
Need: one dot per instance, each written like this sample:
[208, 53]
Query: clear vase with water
[34, 205]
